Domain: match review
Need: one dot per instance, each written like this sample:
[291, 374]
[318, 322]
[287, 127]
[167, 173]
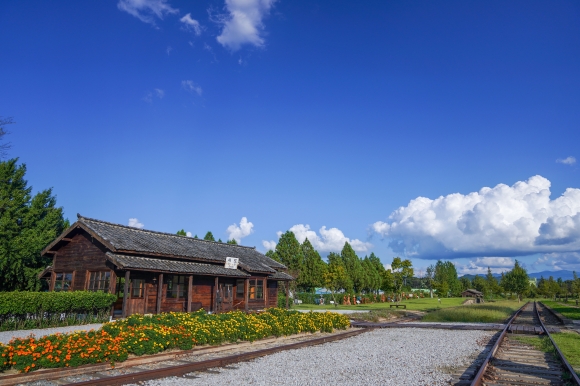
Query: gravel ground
[6, 336]
[380, 357]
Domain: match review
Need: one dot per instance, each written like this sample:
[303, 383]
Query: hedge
[24, 310]
[140, 335]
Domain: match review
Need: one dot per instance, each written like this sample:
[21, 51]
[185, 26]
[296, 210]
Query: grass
[421, 304]
[568, 312]
[377, 315]
[496, 312]
[568, 342]
[539, 343]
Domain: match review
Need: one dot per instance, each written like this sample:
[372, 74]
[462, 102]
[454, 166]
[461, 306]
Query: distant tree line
[208, 236]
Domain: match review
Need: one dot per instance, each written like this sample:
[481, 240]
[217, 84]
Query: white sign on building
[232, 262]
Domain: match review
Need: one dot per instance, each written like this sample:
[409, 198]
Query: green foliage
[27, 225]
[492, 285]
[140, 335]
[208, 236]
[232, 241]
[354, 268]
[446, 281]
[23, 310]
[182, 232]
[429, 279]
[272, 255]
[335, 278]
[496, 312]
[312, 268]
[220, 241]
[401, 271]
[516, 280]
[480, 284]
[289, 253]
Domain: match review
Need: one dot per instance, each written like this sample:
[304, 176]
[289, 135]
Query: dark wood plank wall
[272, 293]
[203, 291]
[79, 256]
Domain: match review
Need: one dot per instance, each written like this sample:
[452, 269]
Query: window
[99, 281]
[176, 287]
[256, 289]
[240, 289]
[137, 288]
[63, 281]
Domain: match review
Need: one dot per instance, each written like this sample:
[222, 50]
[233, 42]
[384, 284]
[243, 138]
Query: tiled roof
[146, 263]
[280, 276]
[128, 239]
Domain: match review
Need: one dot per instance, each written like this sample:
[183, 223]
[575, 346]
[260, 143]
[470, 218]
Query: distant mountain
[471, 277]
[565, 275]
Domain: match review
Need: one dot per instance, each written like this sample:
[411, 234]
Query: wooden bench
[398, 305]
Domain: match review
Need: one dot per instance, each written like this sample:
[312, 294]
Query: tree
[465, 283]
[181, 232]
[516, 280]
[379, 269]
[446, 281]
[492, 285]
[220, 241]
[401, 270]
[480, 284]
[353, 267]
[209, 236]
[232, 241]
[313, 267]
[430, 278]
[27, 225]
[576, 285]
[290, 254]
[4, 147]
[272, 255]
[195, 237]
[335, 278]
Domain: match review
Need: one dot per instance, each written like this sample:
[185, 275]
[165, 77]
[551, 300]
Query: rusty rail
[562, 357]
[477, 381]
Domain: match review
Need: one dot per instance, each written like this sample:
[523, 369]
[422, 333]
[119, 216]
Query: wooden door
[225, 297]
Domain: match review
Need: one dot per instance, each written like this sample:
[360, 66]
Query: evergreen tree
[181, 232]
[480, 284]
[290, 254]
[492, 284]
[516, 280]
[208, 236]
[27, 225]
[446, 280]
[195, 237]
[232, 241]
[220, 241]
[353, 266]
[465, 283]
[313, 267]
[272, 255]
[335, 278]
[401, 271]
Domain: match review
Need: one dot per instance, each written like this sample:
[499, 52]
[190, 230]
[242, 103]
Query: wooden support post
[159, 292]
[265, 292]
[246, 293]
[287, 286]
[189, 292]
[52, 280]
[125, 293]
[215, 290]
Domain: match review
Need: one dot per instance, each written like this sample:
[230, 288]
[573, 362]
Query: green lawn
[568, 311]
[496, 312]
[424, 304]
[569, 344]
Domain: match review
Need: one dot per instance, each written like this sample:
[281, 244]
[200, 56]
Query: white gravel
[7, 336]
[381, 357]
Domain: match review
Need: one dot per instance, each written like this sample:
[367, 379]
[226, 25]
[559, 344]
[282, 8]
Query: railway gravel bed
[380, 357]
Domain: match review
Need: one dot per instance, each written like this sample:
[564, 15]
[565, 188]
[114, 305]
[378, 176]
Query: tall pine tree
[208, 236]
[27, 225]
[313, 268]
[354, 268]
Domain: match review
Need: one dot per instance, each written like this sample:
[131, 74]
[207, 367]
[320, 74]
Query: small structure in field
[473, 293]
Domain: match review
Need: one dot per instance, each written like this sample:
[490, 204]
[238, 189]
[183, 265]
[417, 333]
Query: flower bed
[139, 335]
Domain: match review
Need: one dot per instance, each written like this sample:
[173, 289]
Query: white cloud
[269, 245]
[479, 266]
[239, 232]
[501, 221]
[160, 93]
[133, 222]
[567, 161]
[243, 24]
[146, 10]
[188, 85]
[191, 24]
[561, 260]
[188, 234]
[329, 240]
[149, 95]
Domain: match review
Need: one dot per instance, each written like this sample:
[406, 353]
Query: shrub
[24, 310]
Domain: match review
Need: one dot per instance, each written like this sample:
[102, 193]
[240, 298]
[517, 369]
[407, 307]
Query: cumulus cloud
[328, 240]
[188, 85]
[147, 10]
[243, 23]
[561, 260]
[501, 221]
[269, 245]
[479, 266]
[239, 232]
[190, 24]
[188, 234]
[567, 161]
[133, 222]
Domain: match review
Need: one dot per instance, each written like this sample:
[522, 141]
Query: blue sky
[308, 114]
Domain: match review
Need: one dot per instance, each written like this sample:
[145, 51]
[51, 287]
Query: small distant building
[472, 293]
[533, 281]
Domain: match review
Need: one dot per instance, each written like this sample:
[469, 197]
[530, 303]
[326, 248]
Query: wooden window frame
[132, 288]
[254, 289]
[240, 288]
[106, 287]
[179, 289]
[62, 281]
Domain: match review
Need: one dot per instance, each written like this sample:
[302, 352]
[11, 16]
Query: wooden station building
[153, 272]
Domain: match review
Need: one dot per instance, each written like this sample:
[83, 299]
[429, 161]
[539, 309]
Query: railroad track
[508, 361]
[181, 364]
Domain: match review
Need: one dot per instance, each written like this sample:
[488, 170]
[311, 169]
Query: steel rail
[477, 381]
[562, 357]
[181, 370]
